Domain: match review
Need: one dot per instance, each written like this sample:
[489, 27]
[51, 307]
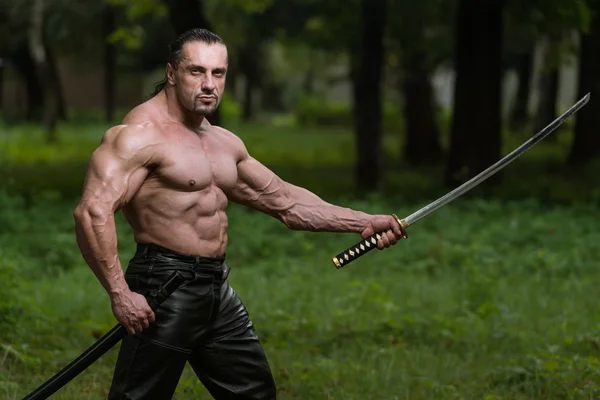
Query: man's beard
[205, 110]
[202, 109]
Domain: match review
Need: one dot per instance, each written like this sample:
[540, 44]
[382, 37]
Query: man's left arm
[299, 209]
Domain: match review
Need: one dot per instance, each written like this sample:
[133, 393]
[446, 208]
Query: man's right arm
[115, 172]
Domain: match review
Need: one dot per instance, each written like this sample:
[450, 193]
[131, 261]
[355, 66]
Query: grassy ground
[487, 299]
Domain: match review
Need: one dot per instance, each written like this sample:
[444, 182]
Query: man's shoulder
[130, 138]
[230, 138]
[139, 132]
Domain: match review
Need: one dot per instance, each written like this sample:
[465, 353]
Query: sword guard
[403, 226]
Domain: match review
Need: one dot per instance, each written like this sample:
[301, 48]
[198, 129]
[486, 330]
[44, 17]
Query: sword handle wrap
[363, 247]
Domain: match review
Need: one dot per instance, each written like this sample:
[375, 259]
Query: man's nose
[208, 83]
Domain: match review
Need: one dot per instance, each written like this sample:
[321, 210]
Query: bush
[314, 111]
[231, 110]
[8, 309]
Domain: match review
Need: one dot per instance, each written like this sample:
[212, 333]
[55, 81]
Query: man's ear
[170, 72]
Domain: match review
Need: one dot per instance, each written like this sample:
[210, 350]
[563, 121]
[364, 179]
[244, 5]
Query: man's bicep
[259, 187]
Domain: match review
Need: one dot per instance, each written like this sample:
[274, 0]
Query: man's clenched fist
[132, 311]
[388, 226]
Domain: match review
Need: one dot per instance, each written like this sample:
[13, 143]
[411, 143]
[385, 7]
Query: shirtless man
[172, 173]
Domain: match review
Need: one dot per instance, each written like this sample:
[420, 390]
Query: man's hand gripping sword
[105, 343]
[370, 243]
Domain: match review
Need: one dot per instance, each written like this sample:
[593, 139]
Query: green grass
[488, 298]
[483, 299]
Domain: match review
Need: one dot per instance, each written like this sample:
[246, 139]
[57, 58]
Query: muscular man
[172, 173]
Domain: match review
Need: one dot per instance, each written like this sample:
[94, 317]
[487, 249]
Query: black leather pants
[203, 323]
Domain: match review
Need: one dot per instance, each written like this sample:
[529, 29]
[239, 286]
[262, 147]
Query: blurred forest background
[379, 105]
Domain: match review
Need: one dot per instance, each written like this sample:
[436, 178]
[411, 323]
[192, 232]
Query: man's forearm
[307, 211]
[97, 239]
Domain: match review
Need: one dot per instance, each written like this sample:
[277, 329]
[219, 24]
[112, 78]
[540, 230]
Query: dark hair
[176, 46]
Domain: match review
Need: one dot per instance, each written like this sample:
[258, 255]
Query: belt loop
[145, 251]
[197, 262]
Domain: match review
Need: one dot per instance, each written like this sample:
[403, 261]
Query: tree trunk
[25, 66]
[422, 145]
[248, 109]
[61, 104]
[2, 68]
[422, 133]
[44, 71]
[249, 67]
[367, 96]
[308, 83]
[4, 29]
[520, 111]
[548, 86]
[475, 141]
[586, 142]
[186, 15]
[110, 63]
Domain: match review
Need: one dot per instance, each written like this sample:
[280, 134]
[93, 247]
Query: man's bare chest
[193, 165]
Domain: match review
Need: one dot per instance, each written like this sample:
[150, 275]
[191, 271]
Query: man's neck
[178, 113]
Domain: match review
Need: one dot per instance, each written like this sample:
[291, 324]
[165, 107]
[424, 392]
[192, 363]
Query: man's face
[200, 77]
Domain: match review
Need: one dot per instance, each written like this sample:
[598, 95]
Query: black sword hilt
[105, 343]
[364, 246]
[158, 295]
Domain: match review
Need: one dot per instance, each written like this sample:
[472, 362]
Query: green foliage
[334, 25]
[230, 109]
[526, 23]
[37, 169]
[133, 34]
[423, 28]
[315, 111]
[241, 23]
[487, 299]
[325, 155]
[252, 6]
[69, 25]
[137, 9]
[551, 15]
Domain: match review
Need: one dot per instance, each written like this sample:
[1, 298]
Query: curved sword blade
[476, 180]
[369, 243]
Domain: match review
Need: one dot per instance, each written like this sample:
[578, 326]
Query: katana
[370, 243]
[105, 343]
